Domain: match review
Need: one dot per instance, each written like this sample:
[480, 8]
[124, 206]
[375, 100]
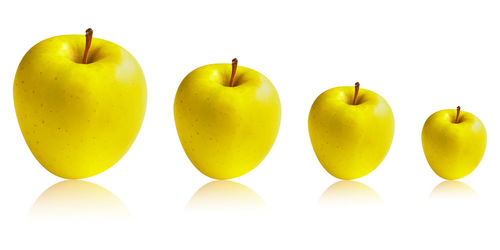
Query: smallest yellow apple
[454, 142]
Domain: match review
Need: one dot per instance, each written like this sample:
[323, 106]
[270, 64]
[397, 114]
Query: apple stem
[458, 114]
[88, 41]
[233, 74]
[356, 91]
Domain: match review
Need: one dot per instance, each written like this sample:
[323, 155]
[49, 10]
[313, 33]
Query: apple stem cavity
[356, 92]
[88, 41]
[458, 115]
[233, 73]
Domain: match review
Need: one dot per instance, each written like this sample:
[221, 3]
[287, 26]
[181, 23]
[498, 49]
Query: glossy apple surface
[350, 140]
[79, 119]
[226, 131]
[453, 148]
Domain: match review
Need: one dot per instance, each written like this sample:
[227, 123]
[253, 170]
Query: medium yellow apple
[227, 118]
[80, 103]
[351, 131]
[454, 142]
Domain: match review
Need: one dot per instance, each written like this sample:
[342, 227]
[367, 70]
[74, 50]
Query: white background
[421, 56]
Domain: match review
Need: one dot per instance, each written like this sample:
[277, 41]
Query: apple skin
[226, 131]
[453, 150]
[79, 119]
[350, 141]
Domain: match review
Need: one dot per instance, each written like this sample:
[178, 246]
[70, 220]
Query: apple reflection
[452, 191]
[225, 196]
[349, 193]
[77, 200]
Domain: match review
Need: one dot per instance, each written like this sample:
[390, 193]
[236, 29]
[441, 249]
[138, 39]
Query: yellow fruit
[350, 135]
[453, 147]
[226, 127]
[79, 119]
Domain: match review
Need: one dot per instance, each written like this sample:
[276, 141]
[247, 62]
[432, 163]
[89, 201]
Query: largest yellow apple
[80, 103]
[227, 118]
[351, 131]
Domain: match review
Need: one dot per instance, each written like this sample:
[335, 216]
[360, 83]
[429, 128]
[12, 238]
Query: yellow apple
[351, 131]
[454, 142]
[80, 103]
[227, 118]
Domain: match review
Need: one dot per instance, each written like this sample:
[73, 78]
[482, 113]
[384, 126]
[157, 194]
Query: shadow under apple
[452, 191]
[77, 200]
[349, 193]
[225, 196]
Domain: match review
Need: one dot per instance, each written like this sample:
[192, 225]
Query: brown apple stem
[458, 114]
[356, 91]
[88, 41]
[233, 74]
